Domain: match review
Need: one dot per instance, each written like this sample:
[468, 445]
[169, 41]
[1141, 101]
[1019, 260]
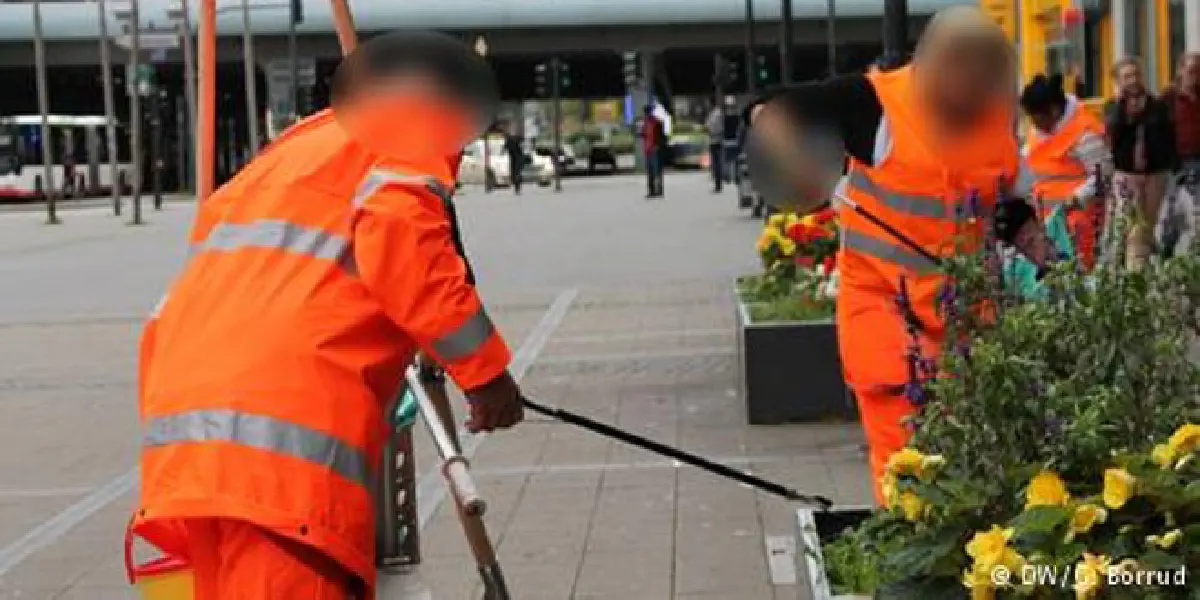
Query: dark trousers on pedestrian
[716, 159]
[514, 173]
[654, 175]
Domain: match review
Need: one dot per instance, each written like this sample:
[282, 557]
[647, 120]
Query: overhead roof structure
[78, 20]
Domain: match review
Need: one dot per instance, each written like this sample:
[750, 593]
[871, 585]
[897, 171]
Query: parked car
[536, 169]
[689, 151]
[595, 151]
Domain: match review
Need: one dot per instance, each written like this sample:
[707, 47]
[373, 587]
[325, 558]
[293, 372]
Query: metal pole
[110, 111]
[43, 95]
[156, 144]
[135, 109]
[895, 32]
[785, 44]
[751, 58]
[343, 22]
[206, 102]
[555, 86]
[251, 79]
[831, 36]
[293, 66]
[189, 87]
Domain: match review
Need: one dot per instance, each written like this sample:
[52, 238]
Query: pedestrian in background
[716, 137]
[516, 158]
[1183, 100]
[1142, 138]
[653, 134]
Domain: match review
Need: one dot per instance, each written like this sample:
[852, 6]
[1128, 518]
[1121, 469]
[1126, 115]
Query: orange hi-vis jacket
[316, 274]
[1057, 174]
[918, 187]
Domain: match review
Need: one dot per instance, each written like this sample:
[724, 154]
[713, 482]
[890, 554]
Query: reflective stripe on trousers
[886, 251]
[260, 432]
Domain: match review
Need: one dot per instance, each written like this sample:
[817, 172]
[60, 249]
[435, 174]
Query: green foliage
[773, 298]
[1090, 379]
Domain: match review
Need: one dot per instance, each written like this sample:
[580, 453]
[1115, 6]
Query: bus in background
[78, 154]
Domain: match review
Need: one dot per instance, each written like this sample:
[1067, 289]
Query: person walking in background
[516, 159]
[715, 124]
[1183, 100]
[1142, 139]
[1064, 149]
[652, 144]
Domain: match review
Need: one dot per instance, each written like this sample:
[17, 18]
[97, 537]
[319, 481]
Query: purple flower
[915, 393]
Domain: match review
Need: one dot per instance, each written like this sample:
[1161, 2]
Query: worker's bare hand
[495, 405]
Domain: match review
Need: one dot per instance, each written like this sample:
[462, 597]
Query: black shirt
[1155, 120]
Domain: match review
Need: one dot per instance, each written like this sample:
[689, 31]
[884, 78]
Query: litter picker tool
[677, 454]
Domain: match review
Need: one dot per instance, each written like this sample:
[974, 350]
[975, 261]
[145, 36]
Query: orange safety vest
[921, 190]
[1056, 173]
[316, 274]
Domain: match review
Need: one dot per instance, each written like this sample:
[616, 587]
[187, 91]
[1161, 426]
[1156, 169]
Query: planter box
[789, 371]
[813, 529]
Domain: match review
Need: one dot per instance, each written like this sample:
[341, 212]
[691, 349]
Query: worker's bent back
[315, 274]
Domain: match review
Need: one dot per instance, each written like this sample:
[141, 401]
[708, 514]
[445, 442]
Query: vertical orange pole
[206, 110]
[343, 22]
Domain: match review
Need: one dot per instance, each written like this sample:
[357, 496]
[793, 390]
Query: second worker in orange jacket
[315, 276]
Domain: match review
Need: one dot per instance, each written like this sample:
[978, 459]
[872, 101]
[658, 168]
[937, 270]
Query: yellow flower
[980, 582]
[1186, 439]
[909, 461]
[1163, 455]
[1046, 489]
[1119, 487]
[787, 246]
[809, 220]
[911, 505]
[1183, 462]
[1166, 540]
[1086, 516]
[989, 548]
[1089, 574]
[777, 220]
[889, 486]
[764, 242]
[790, 220]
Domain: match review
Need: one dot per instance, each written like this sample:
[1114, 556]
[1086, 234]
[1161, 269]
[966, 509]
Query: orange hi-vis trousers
[237, 560]
[873, 343]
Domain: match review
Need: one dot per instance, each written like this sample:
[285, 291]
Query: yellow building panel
[1004, 12]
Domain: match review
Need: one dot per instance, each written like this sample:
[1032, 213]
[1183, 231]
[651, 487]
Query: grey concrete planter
[813, 529]
[789, 371]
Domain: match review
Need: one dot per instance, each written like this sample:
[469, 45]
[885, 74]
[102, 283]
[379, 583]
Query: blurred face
[966, 76]
[1189, 71]
[406, 115]
[1045, 120]
[1130, 81]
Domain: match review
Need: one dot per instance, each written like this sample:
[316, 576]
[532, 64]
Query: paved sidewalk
[645, 341]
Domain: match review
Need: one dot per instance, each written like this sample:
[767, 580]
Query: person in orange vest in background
[1066, 151]
[315, 276]
[932, 152]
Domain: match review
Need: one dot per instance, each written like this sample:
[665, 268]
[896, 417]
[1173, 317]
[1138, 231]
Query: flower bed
[1054, 450]
[789, 368]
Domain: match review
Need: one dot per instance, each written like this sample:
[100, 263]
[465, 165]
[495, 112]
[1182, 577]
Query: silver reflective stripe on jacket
[275, 234]
[467, 339]
[376, 179]
[260, 432]
[886, 251]
[918, 205]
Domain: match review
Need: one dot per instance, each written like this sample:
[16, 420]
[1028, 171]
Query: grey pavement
[645, 341]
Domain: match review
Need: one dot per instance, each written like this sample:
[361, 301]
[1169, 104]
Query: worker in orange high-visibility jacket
[1066, 153]
[315, 276]
[931, 148]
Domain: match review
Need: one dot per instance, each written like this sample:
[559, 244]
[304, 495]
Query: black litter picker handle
[647, 444]
[696, 461]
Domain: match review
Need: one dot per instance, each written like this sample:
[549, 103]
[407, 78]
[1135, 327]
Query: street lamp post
[751, 84]
[251, 79]
[831, 36]
[785, 44]
[43, 96]
[895, 32]
[294, 16]
[110, 112]
[183, 18]
[135, 109]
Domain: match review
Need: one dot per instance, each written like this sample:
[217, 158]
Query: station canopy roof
[79, 20]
